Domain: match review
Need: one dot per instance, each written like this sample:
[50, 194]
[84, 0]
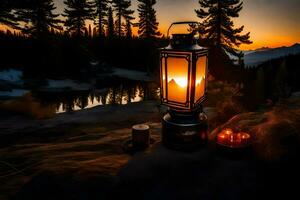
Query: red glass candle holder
[228, 138]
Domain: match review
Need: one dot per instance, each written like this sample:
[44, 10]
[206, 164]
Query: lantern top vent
[184, 39]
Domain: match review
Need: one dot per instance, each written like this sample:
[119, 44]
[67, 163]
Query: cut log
[140, 136]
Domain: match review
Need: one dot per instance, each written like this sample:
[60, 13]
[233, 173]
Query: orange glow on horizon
[269, 26]
[180, 81]
[259, 41]
[177, 80]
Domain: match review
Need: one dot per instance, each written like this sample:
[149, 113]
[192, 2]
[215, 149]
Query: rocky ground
[80, 156]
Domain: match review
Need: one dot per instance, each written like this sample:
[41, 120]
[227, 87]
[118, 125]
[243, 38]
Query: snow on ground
[11, 75]
[13, 93]
[260, 56]
[67, 83]
[131, 74]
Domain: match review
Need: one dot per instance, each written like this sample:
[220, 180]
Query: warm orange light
[200, 77]
[177, 89]
[181, 81]
[233, 140]
[177, 79]
[228, 131]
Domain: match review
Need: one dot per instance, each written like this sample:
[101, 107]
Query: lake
[122, 93]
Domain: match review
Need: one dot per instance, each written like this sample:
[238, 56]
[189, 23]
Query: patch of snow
[131, 74]
[11, 75]
[94, 63]
[296, 94]
[67, 83]
[257, 57]
[13, 93]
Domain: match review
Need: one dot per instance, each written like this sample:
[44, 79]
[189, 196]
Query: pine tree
[110, 23]
[6, 15]
[90, 31]
[121, 7]
[128, 29]
[86, 32]
[77, 12]
[281, 87]
[258, 92]
[101, 12]
[148, 25]
[218, 26]
[39, 18]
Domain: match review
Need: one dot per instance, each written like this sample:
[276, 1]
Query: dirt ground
[81, 156]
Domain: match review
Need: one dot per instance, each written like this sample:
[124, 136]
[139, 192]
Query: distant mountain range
[255, 57]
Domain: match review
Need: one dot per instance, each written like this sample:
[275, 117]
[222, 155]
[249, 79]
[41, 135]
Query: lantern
[183, 68]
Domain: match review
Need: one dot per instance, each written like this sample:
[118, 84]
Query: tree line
[50, 44]
[110, 17]
[51, 33]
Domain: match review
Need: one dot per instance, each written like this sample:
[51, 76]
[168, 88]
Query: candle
[233, 140]
[140, 136]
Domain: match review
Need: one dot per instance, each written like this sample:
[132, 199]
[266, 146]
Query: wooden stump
[140, 136]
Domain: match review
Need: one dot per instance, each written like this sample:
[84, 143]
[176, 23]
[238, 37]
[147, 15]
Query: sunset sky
[272, 23]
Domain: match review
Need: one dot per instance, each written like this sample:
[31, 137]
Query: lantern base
[186, 132]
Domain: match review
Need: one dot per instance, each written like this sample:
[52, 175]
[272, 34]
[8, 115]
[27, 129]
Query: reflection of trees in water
[129, 93]
[92, 97]
[103, 99]
[124, 93]
[82, 102]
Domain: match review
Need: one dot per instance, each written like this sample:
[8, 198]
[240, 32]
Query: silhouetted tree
[128, 29]
[77, 12]
[121, 7]
[110, 23]
[148, 25]
[101, 12]
[281, 87]
[86, 32]
[259, 87]
[6, 15]
[39, 18]
[218, 26]
[90, 31]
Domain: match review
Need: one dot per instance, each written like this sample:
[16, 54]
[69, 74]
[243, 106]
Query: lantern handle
[183, 22]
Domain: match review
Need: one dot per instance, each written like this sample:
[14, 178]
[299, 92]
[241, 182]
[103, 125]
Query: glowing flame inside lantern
[177, 84]
[182, 82]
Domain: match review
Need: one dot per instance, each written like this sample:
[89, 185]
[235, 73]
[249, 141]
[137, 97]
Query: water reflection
[121, 95]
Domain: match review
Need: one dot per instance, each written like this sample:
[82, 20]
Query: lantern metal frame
[192, 58]
[184, 127]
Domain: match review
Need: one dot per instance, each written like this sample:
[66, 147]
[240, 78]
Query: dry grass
[222, 97]
[28, 106]
[94, 154]
[275, 132]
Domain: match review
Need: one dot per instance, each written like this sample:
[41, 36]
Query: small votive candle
[230, 139]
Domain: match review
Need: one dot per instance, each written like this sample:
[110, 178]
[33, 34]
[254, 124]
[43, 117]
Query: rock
[275, 132]
[91, 164]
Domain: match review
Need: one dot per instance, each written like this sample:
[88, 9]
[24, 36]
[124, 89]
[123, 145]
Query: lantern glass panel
[177, 79]
[163, 71]
[200, 78]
